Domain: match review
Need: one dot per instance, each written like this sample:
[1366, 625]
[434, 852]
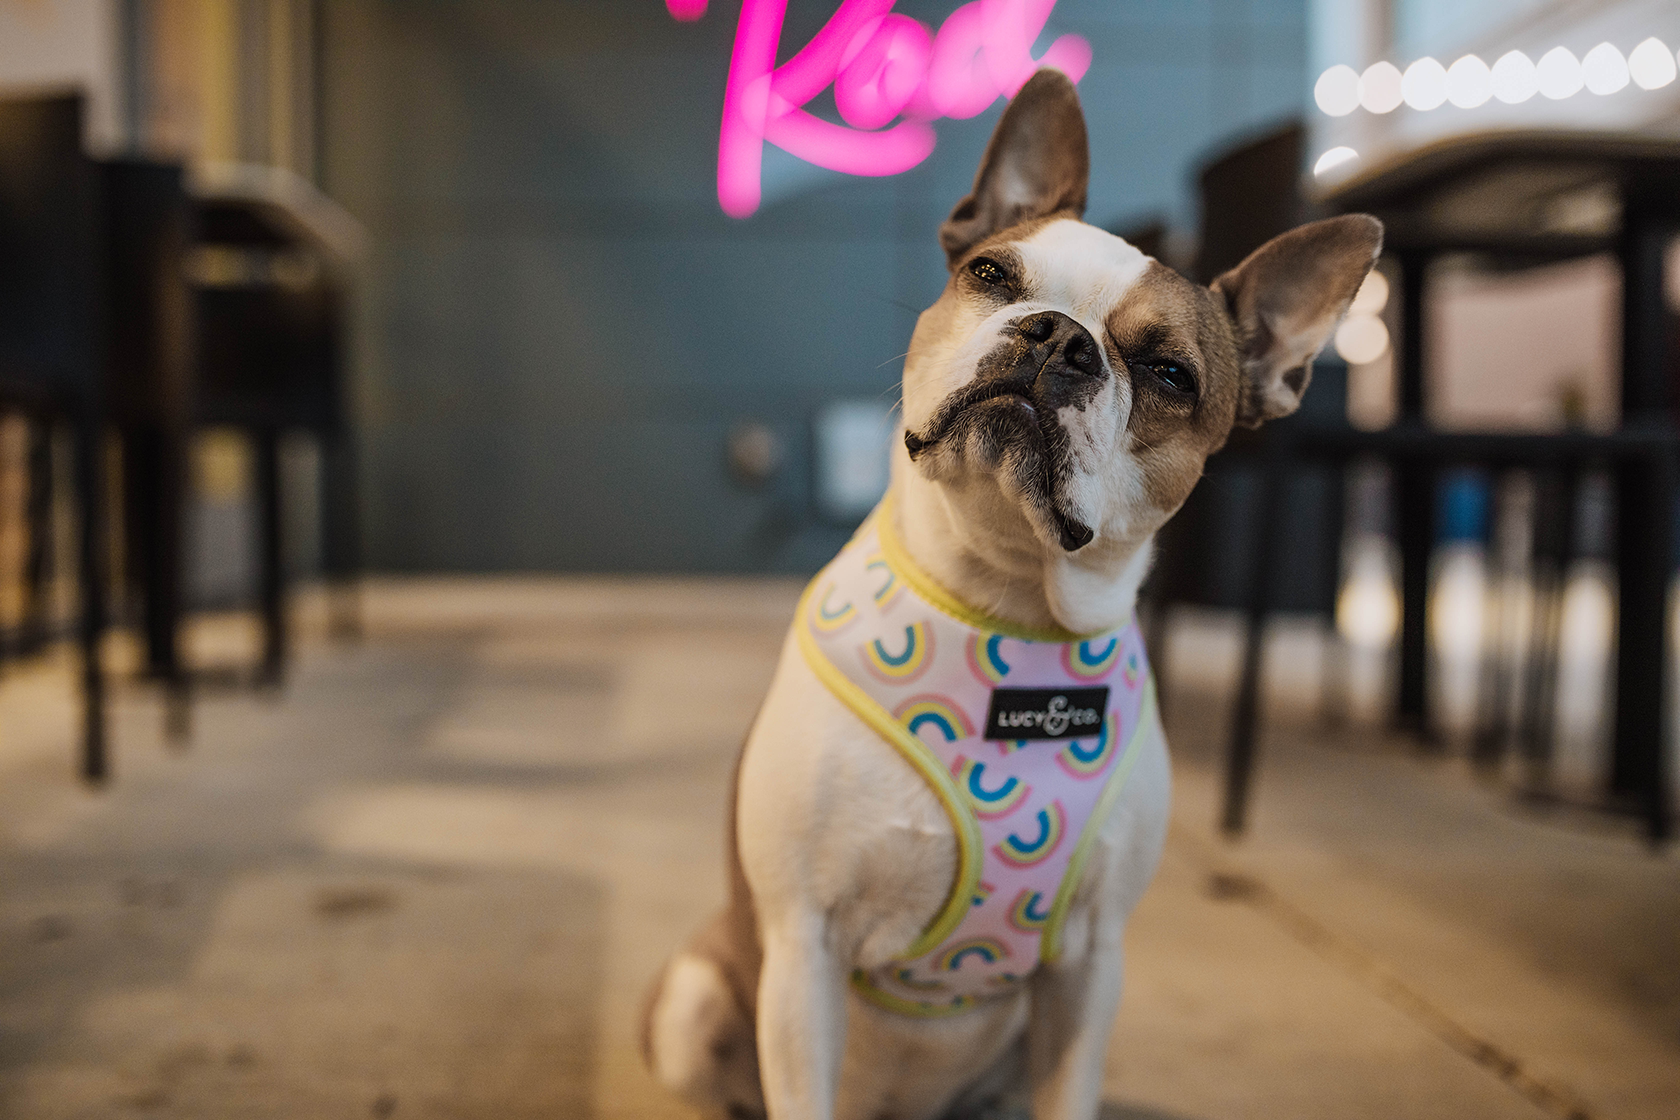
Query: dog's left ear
[1038, 162]
[1284, 301]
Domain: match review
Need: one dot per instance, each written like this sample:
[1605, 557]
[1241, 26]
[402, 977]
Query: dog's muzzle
[1049, 363]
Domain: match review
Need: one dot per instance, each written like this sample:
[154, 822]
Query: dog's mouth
[1017, 431]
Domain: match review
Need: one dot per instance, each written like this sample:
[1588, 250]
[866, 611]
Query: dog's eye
[1172, 375]
[987, 271]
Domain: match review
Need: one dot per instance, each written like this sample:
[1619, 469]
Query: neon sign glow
[882, 65]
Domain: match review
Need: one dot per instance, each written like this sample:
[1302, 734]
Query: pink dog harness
[1027, 737]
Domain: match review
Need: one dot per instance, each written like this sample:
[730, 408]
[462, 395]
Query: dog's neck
[981, 548]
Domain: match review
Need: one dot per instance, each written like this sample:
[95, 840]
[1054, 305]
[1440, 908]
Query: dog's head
[1065, 378]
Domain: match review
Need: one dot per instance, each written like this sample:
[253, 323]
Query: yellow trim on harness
[969, 842]
[890, 1002]
[1050, 941]
[899, 560]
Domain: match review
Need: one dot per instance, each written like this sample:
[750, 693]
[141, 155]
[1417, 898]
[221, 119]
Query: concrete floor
[432, 878]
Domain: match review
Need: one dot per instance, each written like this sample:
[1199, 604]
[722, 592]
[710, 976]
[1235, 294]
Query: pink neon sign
[882, 65]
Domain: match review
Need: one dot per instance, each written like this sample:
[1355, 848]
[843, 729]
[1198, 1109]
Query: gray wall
[560, 327]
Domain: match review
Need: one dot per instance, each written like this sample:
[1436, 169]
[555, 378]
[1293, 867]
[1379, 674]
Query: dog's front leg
[801, 1019]
[1074, 1004]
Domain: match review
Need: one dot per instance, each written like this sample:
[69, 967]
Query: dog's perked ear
[1284, 301]
[1038, 162]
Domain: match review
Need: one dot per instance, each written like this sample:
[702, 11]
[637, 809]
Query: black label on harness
[1046, 713]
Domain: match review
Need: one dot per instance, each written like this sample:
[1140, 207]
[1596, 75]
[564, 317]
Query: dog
[1060, 400]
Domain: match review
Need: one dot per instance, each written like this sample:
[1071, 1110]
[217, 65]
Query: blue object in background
[1462, 511]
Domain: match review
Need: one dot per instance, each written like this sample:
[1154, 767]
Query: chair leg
[90, 484]
[1415, 483]
[155, 465]
[1245, 719]
[1239, 761]
[341, 535]
[271, 561]
[1645, 525]
[164, 619]
[38, 568]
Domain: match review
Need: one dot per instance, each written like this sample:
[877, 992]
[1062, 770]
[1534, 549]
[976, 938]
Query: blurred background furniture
[270, 298]
[149, 382]
[137, 305]
[1513, 200]
[55, 342]
[1516, 199]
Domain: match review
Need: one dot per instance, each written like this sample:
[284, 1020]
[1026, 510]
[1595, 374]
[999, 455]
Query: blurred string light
[1514, 79]
[1381, 88]
[1470, 82]
[1424, 85]
[1559, 73]
[1335, 157]
[1604, 70]
[1363, 337]
[1650, 65]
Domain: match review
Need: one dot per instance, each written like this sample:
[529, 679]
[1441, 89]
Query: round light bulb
[1514, 80]
[1337, 91]
[1361, 339]
[1335, 157]
[1379, 87]
[1559, 74]
[1469, 82]
[1424, 85]
[1650, 64]
[1604, 70]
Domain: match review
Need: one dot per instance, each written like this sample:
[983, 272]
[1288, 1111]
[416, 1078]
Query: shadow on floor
[1116, 1110]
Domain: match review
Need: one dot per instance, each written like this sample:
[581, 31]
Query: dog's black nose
[1060, 337]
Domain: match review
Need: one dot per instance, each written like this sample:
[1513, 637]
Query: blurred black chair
[149, 378]
[115, 316]
[1517, 199]
[233, 314]
[55, 338]
[1248, 195]
[270, 298]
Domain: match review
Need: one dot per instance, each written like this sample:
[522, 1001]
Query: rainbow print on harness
[939, 682]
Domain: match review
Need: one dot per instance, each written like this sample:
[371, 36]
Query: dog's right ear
[1037, 163]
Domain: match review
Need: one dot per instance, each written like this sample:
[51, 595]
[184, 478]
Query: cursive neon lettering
[882, 65]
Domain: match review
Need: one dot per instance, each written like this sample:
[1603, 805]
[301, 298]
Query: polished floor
[432, 876]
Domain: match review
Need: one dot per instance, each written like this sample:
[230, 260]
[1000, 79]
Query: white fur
[693, 1013]
[1080, 270]
[687, 998]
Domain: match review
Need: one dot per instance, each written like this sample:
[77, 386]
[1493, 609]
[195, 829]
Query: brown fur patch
[1165, 316]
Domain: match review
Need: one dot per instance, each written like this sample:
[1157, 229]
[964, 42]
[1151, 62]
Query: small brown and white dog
[1060, 399]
